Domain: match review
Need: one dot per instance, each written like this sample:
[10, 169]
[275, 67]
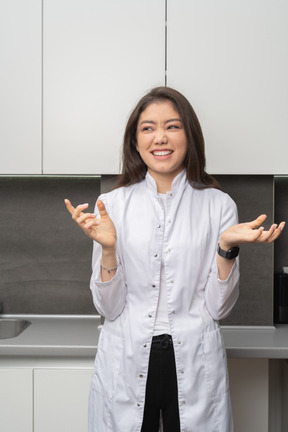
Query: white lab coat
[196, 300]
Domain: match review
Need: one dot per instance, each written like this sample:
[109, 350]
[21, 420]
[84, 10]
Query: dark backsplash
[254, 195]
[45, 260]
[281, 214]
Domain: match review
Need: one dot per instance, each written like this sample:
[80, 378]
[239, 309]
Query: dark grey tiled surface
[45, 260]
[281, 214]
[253, 196]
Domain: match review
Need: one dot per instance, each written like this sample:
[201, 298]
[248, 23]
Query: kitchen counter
[52, 337]
[77, 336]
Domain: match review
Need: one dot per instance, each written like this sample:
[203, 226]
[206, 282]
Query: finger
[267, 235]
[69, 206]
[256, 234]
[78, 211]
[276, 233]
[258, 222]
[102, 209]
[90, 223]
[85, 217]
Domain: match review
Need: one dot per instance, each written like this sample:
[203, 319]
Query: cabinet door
[99, 59]
[16, 400]
[230, 58]
[249, 387]
[61, 400]
[20, 86]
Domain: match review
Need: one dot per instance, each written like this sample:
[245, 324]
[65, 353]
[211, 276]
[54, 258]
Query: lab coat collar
[179, 183]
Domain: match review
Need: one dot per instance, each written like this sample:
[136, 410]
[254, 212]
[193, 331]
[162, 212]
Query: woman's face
[161, 141]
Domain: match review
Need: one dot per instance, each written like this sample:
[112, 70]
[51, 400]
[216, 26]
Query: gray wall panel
[45, 260]
[253, 196]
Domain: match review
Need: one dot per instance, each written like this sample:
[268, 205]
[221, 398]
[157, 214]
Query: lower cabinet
[61, 400]
[16, 400]
[46, 399]
[249, 389]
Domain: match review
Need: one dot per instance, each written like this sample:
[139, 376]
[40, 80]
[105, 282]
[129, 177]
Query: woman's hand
[101, 230]
[250, 232]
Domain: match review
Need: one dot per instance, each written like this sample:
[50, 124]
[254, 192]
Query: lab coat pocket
[107, 364]
[215, 362]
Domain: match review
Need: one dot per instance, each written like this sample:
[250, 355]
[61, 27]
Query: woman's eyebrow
[147, 121]
[166, 121]
[173, 119]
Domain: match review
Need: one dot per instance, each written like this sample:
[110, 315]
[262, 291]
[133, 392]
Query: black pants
[161, 388]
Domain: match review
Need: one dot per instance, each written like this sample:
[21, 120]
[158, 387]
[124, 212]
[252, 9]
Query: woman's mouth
[162, 152]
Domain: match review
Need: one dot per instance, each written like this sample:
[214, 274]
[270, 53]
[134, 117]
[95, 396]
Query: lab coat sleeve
[221, 295]
[109, 297]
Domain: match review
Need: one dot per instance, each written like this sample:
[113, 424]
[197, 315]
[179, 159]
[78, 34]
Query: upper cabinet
[20, 86]
[230, 58]
[99, 59]
[72, 70]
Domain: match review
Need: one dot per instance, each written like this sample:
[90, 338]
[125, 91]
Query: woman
[165, 271]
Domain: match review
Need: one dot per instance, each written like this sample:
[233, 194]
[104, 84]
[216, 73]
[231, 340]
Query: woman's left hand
[250, 232]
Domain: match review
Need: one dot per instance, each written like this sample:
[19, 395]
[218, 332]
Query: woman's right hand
[102, 229]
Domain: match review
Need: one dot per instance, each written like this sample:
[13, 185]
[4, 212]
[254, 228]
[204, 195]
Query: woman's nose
[160, 137]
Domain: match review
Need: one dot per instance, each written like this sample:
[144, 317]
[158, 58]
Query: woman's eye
[173, 127]
[147, 128]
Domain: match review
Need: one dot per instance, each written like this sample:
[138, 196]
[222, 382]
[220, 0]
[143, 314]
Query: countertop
[77, 336]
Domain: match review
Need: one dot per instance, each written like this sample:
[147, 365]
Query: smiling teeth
[162, 153]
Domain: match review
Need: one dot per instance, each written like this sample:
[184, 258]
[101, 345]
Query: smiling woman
[165, 271]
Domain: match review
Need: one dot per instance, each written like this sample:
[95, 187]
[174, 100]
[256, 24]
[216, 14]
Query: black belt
[164, 340]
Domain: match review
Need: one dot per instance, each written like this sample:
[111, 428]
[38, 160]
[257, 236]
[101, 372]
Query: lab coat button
[141, 376]
[153, 286]
[155, 255]
[172, 281]
[158, 226]
[145, 345]
[138, 404]
[150, 316]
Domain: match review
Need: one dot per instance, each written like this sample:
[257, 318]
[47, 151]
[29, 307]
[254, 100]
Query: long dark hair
[134, 169]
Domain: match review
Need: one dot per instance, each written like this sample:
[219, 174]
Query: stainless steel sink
[10, 328]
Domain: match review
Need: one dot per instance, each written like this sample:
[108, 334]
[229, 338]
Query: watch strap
[230, 254]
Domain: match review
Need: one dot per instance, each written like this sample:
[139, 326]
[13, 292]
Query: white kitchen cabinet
[230, 58]
[249, 388]
[61, 400]
[20, 86]
[99, 59]
[16, 400]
